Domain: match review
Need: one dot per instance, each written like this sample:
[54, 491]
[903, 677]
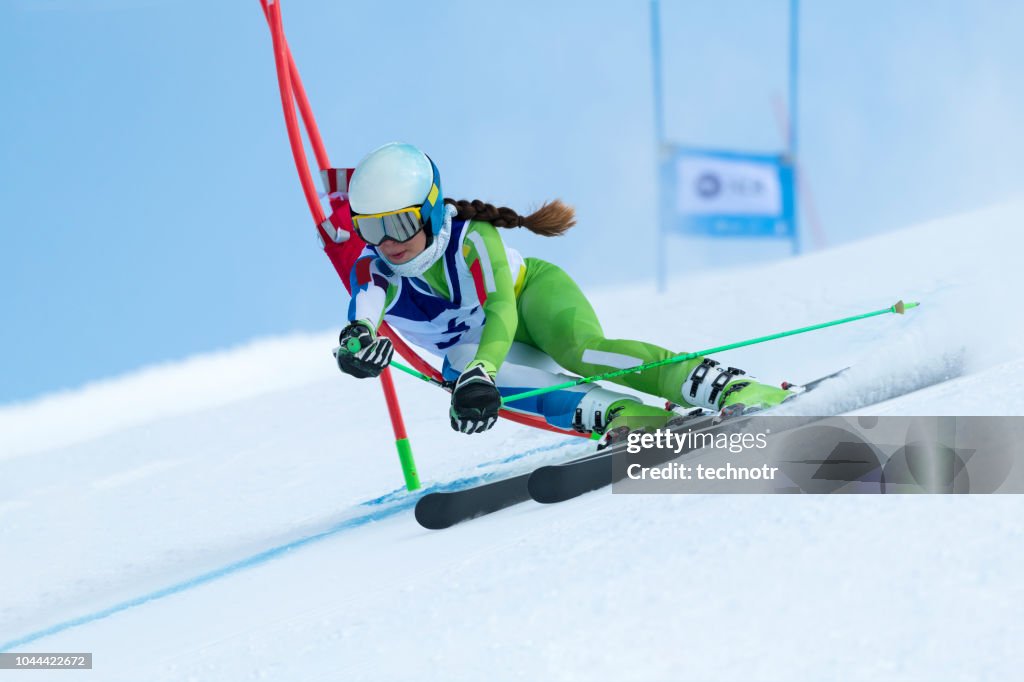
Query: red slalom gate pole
[301, 100]
[292, 92]
[412, 477]
[312, 131]
[281, 62]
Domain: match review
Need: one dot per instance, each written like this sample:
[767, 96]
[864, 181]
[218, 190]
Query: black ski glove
[475, 401]
[361, 352]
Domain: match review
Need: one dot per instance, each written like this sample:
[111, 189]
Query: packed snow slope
[238, 515]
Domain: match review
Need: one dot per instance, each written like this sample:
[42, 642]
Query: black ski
[443, 509]
[560, 482]
[439, 510]
[811, 385]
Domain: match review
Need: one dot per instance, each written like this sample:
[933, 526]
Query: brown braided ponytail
[552, 219]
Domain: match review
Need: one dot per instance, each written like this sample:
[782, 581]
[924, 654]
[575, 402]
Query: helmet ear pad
[433, 222]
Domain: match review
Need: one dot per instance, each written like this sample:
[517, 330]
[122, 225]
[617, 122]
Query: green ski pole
[354, 346]
[898, 308]
[419, 375]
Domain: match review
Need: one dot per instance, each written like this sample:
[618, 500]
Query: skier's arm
[484, 252]
[371, 293]
[360, 351]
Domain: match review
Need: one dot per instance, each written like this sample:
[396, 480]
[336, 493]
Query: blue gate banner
[728, 194]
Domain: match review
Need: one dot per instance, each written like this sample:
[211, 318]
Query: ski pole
[354, 346]
[419, 375]
[899, 308]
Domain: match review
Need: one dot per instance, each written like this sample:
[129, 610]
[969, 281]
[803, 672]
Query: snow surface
[235, 516]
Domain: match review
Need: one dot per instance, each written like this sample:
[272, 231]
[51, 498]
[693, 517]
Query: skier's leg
[556, 317]
[587, 407]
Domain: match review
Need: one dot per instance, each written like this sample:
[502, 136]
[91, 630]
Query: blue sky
[150, 207]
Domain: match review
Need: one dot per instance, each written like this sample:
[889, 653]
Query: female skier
[438, 272]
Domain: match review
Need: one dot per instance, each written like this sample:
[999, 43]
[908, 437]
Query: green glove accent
[350, 338]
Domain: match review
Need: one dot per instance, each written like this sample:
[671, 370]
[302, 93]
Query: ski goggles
[401, 225]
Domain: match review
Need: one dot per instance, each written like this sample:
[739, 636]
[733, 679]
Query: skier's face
[401, 252]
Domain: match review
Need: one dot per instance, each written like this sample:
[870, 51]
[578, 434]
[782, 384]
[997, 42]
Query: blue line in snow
[386, 505]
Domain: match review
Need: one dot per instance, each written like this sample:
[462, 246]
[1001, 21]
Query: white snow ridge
[240, 515]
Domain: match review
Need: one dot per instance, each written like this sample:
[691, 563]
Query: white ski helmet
[396, 176]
